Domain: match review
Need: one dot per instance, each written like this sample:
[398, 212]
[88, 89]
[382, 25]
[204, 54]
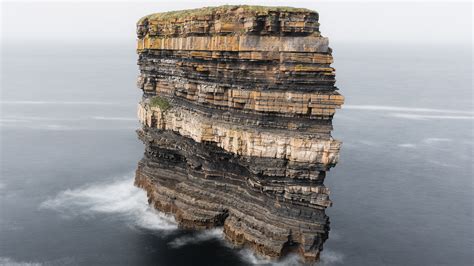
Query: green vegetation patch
[206, 11]
[160, 102]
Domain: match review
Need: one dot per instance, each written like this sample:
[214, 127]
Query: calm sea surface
[402, 192]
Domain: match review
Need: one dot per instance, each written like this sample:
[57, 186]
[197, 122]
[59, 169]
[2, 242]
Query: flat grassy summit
[209, 11]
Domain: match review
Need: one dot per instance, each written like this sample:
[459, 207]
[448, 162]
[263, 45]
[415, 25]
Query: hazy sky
[349, 21]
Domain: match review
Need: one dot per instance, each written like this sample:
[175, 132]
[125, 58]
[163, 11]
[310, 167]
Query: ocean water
[402, 192]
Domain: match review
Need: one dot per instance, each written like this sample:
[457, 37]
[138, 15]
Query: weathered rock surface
[236, 113]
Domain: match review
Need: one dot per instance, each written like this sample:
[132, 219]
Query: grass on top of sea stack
[206, 11]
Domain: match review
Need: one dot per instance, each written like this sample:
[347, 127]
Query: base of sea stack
[204, 186]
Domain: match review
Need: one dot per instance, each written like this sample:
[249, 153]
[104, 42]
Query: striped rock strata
[236, 119]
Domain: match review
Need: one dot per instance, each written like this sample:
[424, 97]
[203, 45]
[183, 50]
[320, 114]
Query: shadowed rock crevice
[236, 120]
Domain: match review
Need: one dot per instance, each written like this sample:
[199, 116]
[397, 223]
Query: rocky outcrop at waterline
[236, 120]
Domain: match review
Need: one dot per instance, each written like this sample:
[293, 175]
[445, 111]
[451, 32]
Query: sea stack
[236, 120]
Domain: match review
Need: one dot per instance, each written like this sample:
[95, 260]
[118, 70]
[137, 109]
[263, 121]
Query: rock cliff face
[236, 112]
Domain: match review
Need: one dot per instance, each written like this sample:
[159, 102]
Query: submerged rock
[236, 118]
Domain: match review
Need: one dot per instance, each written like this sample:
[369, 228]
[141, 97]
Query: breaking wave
[118, 197]
[198, 237]
[328, 257]
[251, 258]
[10, 262]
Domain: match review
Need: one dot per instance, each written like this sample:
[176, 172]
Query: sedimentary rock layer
[236, 119]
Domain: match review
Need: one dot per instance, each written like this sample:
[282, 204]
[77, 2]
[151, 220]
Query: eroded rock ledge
[236, 119]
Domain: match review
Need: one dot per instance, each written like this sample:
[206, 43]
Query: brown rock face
[237, 114]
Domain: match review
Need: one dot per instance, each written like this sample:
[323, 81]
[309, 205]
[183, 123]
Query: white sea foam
[59, 127]
[60, 124]
[431, 117]
[43, 123]
[405, 109]
[58, 103]
[35, 118]
[330, 257]
[14, 120]
[118, 197]
[56, 127]
[426, 141]
[407, 145]
[116, 118]
[253, 259]
[10, 262]
[198, 237]
[49, 127]
[335, 235]
[367, 142]
[436, 140]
